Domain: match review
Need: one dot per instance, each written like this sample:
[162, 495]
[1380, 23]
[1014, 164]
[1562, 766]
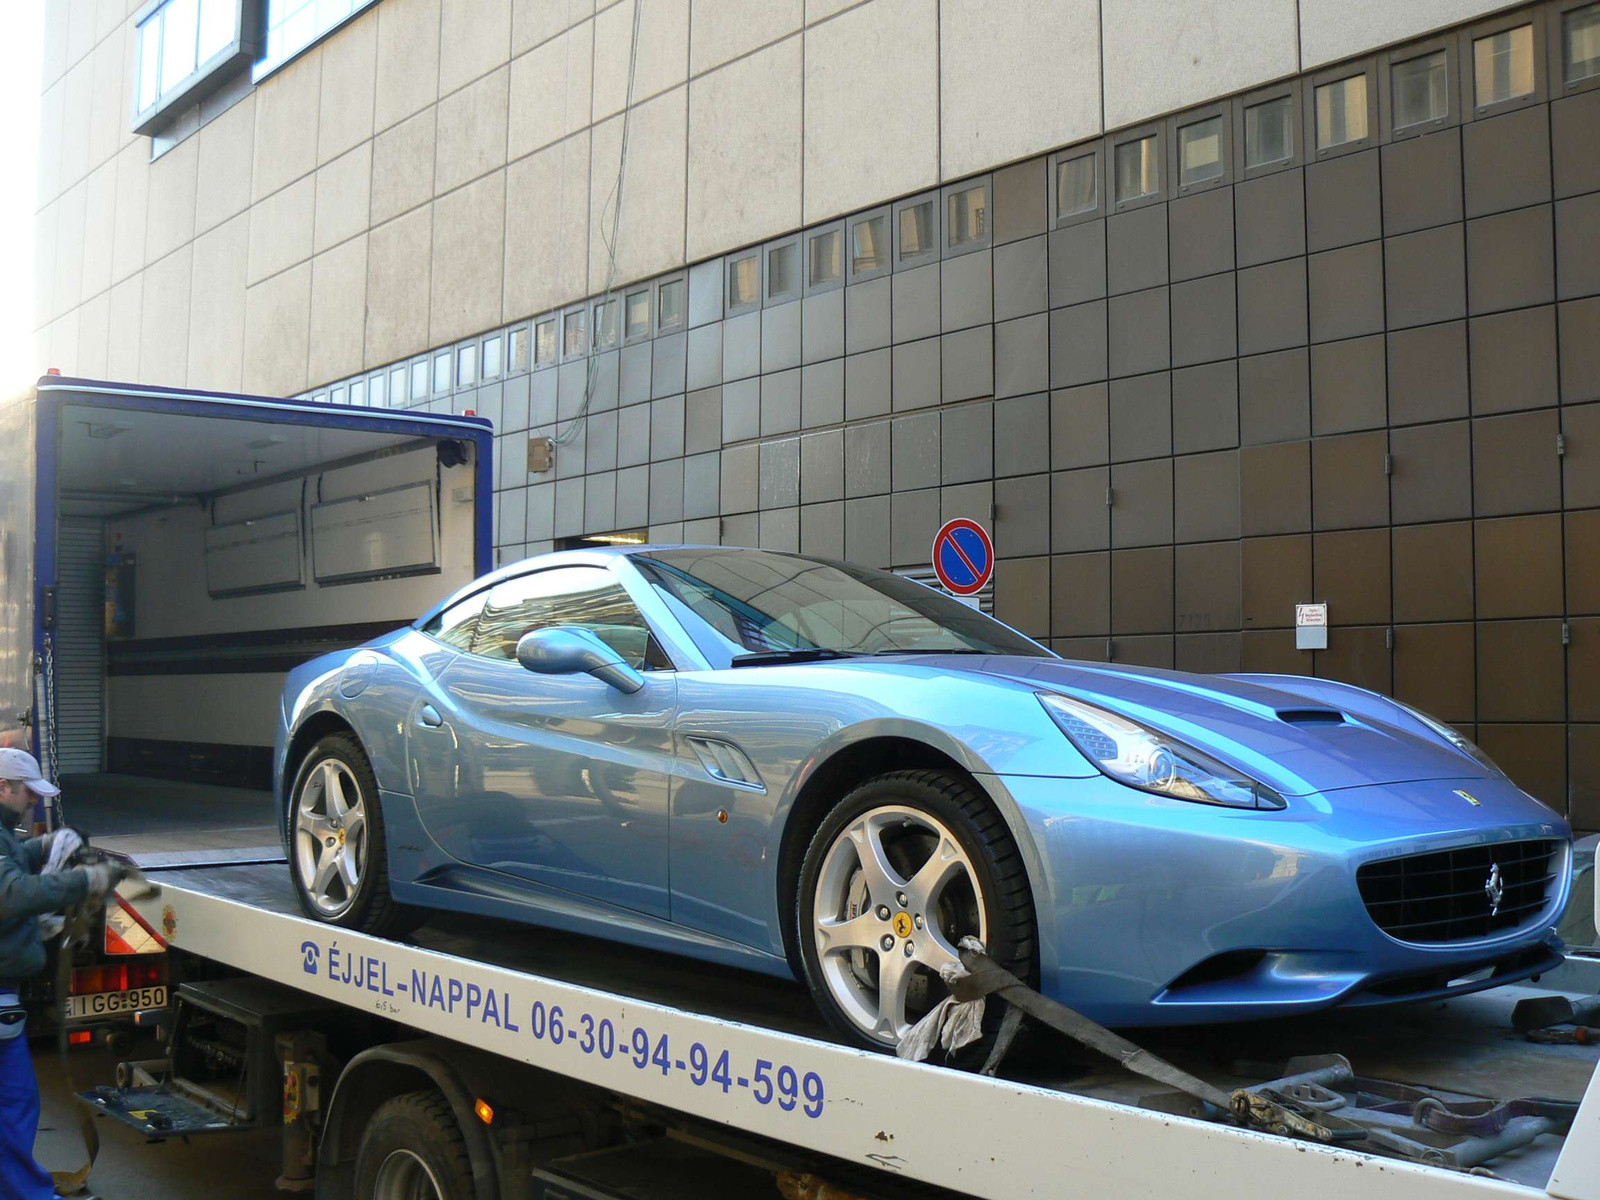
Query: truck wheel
[337, 853]
[412, 1149]
[896, 875]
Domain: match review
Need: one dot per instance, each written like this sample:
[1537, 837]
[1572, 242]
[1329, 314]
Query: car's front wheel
[898, 873]
[336, 850]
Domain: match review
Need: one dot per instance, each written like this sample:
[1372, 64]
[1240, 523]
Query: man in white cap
[25, 895]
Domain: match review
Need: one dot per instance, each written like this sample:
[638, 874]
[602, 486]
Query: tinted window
[574, 597]
[456, 625]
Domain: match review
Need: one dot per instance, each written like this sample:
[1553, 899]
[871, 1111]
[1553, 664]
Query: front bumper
[1154, 911]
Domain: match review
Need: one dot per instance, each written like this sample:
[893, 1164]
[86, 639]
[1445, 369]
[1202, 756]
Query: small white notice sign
[1310, 626]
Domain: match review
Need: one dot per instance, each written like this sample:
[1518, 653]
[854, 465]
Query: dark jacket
[25, 895]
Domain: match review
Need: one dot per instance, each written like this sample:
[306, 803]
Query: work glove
[102, 877]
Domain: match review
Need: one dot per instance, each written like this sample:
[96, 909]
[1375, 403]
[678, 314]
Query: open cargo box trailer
[166, 556]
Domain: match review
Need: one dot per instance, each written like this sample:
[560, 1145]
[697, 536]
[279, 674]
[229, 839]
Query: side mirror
[560, 650]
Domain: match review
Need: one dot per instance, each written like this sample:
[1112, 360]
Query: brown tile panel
[1274, 397]
[1432, 472]
[1533, 756]
[1521, 671]
[1141, 416]
[1349, 386]
[1022, 594]
[1351, 575]
[1141, 591]
[1342, 204]
[1578, 246]
[1422, 182]
[1434, 669]
[1272, 306]
[1433, 572]
[1079, 427]
[1510, 260]
[1206, 584]
[1583, 747]
[1358, 656]
[1428, 373]
[1425, 276]
[1506, 161]
[1514, 360]
[1141, 512]
[1579, 322]
[1209, 653]
[1080, 595]
[1079, 516]
[1270, 217]
[1349, 487]
[1272, 651]
[1148, 651]
[1515, 467]
[1574, 133]
[1583, 561]
[1275, 488]
[1518, 562]
[1205, 407]
[1583, 670]
[1580, 465]
[1274, 576]
[1200, 234]
[1206, 496]
[1087, 649]
[1346, 288]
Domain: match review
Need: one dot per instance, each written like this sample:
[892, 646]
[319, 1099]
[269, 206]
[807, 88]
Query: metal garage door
[80, 647]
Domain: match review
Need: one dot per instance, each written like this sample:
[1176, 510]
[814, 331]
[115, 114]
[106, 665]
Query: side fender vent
[725, 761]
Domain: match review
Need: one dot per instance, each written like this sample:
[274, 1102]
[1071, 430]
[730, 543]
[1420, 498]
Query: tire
[413, 1148]
[367, 906]
[913, 812]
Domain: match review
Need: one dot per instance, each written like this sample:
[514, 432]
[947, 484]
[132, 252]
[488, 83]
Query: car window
[573, 597]
[456, 625]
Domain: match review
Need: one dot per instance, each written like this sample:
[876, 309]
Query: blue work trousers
[21, 1176]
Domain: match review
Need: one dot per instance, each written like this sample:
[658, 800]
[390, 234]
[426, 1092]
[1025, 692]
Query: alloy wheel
[331, 836]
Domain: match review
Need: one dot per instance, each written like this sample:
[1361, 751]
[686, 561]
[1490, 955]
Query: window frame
[1095, 150]
[1452, 96]
[535, 363]
[378, 381]
[1366, 67]
[657, 329]
[729, 308]
[807, 287]
[851, 275]
[628, 293]
[508, 366]
[483, 341]
[1290, 90]
[234, 59]
[581, 311]
[1555, 27]
[1220, 111]
[261, 68]
[1122, 138]
[470, 344]
[768, 298]
[1471, 110]
[597, 307]
[447, 355]
[986, 182]
[922, 258]
[414, 396]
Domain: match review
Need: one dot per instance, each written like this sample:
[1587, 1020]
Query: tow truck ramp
[964, 1132]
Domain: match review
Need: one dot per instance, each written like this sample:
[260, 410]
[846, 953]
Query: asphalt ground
[238, 1166]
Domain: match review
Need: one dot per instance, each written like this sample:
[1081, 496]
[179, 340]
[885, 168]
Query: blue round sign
[963, 556]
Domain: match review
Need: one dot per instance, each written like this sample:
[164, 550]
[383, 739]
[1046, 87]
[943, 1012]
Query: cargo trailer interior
[203, 547]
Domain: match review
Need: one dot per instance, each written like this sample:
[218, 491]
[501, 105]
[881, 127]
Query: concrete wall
[437, 167]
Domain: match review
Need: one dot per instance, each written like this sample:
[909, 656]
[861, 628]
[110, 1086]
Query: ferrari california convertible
[811, 768]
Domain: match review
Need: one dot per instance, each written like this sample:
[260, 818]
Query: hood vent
[1311, 716]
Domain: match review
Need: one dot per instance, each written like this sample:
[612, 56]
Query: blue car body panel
[562, 801]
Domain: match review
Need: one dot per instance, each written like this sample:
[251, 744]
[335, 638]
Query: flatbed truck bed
[749, 1054]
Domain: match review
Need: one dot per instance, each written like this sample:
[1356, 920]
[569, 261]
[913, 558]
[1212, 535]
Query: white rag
[951, 1023]
[63, 846]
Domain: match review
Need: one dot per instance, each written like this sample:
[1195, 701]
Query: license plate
[106, 1004]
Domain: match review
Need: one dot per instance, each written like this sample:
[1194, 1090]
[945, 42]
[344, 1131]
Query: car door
[560, 779]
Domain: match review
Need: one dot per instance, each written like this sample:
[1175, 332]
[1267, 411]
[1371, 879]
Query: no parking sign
[963, 556]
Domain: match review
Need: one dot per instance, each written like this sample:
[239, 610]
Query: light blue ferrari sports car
[811, 768]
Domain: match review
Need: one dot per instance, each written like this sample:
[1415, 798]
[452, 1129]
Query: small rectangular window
[1200, 151]
[319, 397]
[467, 365]
[1137, 171]
[783, 271]
[669, 306]
[967, 216]
[638, 314]
[1077, 189]
[1341, 112]
[574, 333]
[1269, 132]
[375, 390]
[491, 357]
[1419, 89]
[744, 281]
[219, 25]
[441, 372]
[1580, 43]
[1502, 65]
[336, 394]
[607, 323]
[825, 258]
[869, 245]
[419, 380]
[916, 230]
[358, 392]
[397, 387]
[546, 350]
[149, 63]
[180, 25]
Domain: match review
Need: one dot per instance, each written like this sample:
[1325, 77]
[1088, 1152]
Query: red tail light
[119, 977]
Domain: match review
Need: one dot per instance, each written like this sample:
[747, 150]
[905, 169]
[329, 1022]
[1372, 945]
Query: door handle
[428, 717]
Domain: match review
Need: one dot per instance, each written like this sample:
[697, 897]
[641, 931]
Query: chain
[47, 734]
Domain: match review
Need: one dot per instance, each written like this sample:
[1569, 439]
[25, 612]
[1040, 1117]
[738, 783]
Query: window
[1138, 173]
[185, 49]
[916, 230]
[783, 271]
[545, 348]
[419, 380]
[336, 395]
[1077, 188]
[397, 387]
[1200, 152]
[607, 323]
[491, 357]
[869, 245]
[520, 357]
[1269, 132]
[375, 390]
[669, 306]
[358, 392]
[1502, 65]
[456, 624]
[1418, 89]
[825, 258]
[467, 365]
[967, 217]
[565, 597]
[638, 323]
[1580, 43]
[292, 25]
[574, 333]
[441, 372]
[1341, 112]
[744, 281]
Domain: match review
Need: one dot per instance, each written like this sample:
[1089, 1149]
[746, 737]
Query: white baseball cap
[23, 767]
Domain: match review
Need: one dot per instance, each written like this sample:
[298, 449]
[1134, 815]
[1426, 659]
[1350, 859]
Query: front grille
[1444, 896]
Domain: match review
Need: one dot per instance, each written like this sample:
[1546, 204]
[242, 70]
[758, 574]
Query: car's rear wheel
[337, 850]
[896, 875]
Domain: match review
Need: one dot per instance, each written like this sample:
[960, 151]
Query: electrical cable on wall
[566, 436]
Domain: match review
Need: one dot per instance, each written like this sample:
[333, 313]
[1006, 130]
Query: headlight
[1459, 740]
[1151, 761]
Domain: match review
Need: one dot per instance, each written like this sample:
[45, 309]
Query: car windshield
[738, 603]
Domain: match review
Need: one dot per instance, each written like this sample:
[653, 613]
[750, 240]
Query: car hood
[1294, 745]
